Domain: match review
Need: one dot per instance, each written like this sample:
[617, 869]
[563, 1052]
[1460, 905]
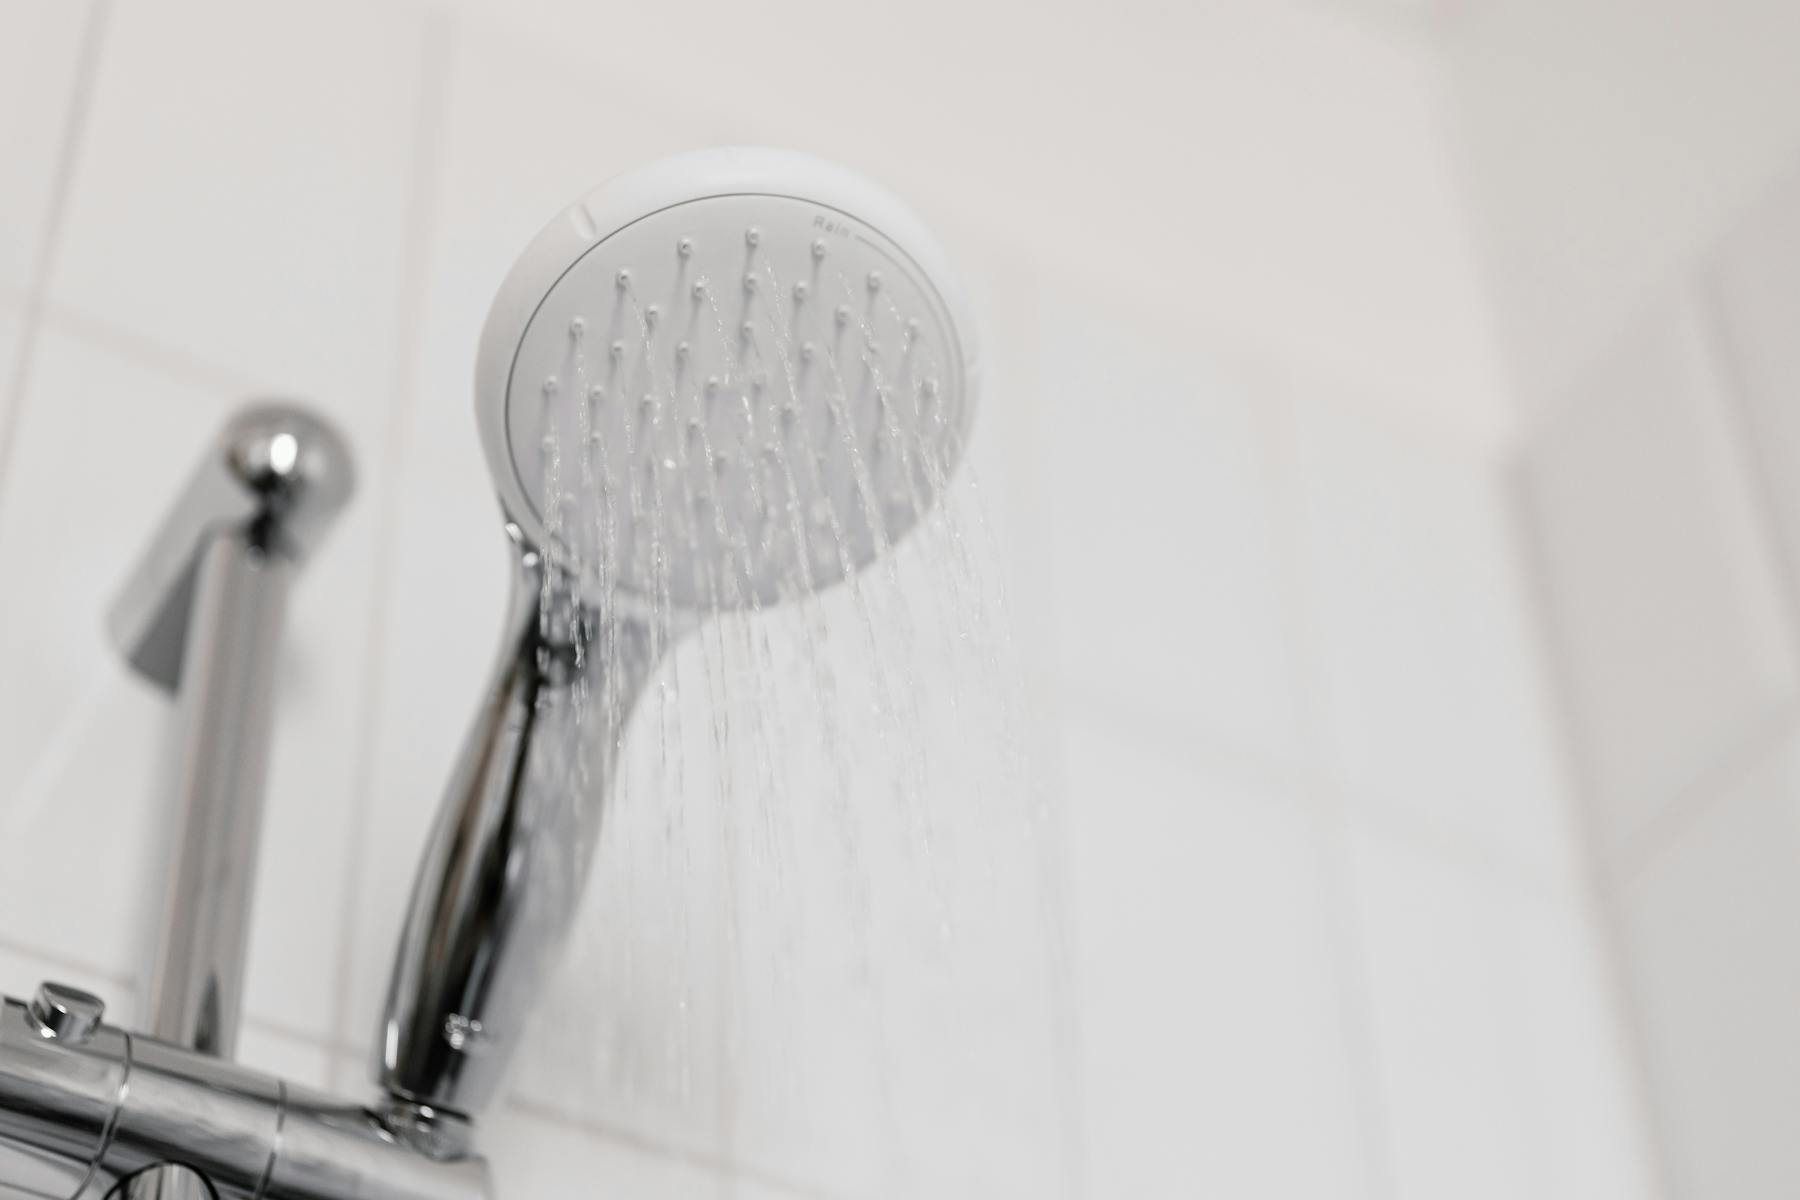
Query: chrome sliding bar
[90, 1111]
[202, 616]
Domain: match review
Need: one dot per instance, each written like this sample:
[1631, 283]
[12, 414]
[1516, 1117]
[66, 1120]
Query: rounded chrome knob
[67, 1014]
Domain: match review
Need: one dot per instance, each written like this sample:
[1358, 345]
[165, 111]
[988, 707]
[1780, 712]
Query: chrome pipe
[195, 977]
[201, 616]
[92, 1111]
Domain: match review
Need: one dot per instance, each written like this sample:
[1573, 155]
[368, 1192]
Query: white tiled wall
[39, 69]
[1207, 956]
[1500, 1063]
[1709, 929]
[1662, 592]
[1415, 701]
[1657, 501]
[1429, 689]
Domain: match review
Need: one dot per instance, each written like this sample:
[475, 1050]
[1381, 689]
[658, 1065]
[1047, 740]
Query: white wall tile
[1499, 1058]
[1660, 593]
[1604, 148]
[84, 745]
[545, 1159]
[285, 1056]
[1432, 704]
[1754, 291]
[1164, 548]
[240, 190]
[1215, 1062]
[1272, 172]
[22, 971]
[80, 737]
[1716, 980]
[12, 336]
[39, 61]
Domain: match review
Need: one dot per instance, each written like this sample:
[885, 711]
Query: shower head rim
[625, 200]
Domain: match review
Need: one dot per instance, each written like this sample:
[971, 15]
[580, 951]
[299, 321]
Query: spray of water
[821, 939]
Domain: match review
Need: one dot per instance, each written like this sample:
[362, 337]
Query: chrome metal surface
[507, 861]
[58, 1103]
[196, 970]
[170, 1181]
[67, 1014]
[202, 615]
[276, 475]
[88, 1111]
[111, 1115]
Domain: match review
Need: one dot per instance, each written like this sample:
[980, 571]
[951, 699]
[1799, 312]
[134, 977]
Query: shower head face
[728, 379]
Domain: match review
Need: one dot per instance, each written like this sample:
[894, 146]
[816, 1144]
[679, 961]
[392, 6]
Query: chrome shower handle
[504, 870]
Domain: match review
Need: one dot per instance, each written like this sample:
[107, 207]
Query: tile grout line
[1599, 904]
[74, 131]
[75, 322]
[62, 962]
[1268, 773]
[1328, 823]
[1727, 390]
[1708, 789]
[438, 34]
[1728, 382]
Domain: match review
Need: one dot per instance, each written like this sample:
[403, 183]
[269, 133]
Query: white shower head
[725, 378]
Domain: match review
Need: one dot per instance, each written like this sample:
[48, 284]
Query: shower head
[724, 379]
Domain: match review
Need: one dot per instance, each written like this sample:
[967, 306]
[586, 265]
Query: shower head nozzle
[724, 379]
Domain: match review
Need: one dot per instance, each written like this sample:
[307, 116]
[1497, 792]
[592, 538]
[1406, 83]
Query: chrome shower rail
[88, 1110]
[201, 616]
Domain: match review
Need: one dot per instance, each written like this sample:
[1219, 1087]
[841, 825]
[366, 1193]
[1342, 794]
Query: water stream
[822, 942]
